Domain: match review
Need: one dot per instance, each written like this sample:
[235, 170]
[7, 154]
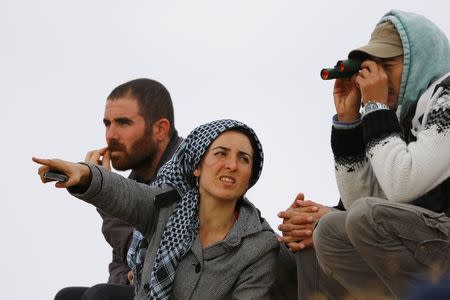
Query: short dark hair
[153, 98]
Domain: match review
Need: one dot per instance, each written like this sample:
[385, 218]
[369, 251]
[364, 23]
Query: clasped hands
[298, 222]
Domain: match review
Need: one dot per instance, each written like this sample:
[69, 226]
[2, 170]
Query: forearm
[354, 176]
[120, 197]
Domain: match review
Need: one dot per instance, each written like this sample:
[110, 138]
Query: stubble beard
[142, 152]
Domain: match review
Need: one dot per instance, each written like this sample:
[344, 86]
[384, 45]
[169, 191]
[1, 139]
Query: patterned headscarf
[182, 226]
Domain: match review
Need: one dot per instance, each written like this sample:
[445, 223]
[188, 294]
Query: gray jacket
[119, 233]
[242, 266]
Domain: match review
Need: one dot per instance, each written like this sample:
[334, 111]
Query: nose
[231, 163]
[111, 133]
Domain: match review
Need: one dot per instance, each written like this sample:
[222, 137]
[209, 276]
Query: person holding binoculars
[392, 162]
[390, 139]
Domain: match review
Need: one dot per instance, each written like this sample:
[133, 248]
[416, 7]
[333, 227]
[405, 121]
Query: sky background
[256, 61]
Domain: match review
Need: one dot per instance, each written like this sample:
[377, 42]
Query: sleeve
[118, 234]
[123, 198]
[407, 171]
[354, 176]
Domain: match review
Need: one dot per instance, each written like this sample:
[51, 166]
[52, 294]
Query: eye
[220, 153]
[245, 159]
[389, 64]
[106, 123]
[124, 122]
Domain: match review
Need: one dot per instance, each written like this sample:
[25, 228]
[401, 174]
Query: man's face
[393, 67]
[129, 140]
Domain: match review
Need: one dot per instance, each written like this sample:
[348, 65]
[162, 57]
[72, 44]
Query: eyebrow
[382, 60]
[228, 149]
[120, 119]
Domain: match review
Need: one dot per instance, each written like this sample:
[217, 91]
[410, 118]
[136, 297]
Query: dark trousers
[102, 291]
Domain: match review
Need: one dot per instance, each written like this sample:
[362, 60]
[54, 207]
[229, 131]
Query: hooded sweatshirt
[403, 156]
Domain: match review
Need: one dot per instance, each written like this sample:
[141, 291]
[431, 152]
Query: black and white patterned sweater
[381, 158]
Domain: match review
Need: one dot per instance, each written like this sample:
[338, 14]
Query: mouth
[115, 149]
[227, 179]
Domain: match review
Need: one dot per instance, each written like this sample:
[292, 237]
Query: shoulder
[433, 107]
[437, 114]
[256, 234]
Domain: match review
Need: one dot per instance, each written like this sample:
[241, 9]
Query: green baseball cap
[384, 42]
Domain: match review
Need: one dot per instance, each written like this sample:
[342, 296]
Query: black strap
[444, 83]
[167, 198]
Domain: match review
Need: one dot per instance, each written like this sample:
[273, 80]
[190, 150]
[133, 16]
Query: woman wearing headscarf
[197, 236]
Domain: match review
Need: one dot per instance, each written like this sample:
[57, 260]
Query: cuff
[347, 142]
[378, 124]
[95, 186]
[345, 125]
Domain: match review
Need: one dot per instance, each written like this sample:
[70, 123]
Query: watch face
[370, 106]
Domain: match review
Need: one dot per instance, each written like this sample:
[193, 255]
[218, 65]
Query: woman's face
[226, 168]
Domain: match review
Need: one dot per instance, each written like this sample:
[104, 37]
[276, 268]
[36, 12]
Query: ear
[197, 173]
[161, 129]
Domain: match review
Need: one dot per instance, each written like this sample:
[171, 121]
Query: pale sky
[256, 61]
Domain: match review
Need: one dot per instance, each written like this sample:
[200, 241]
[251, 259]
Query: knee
[357, 216]
[63, 294]
[327, 232]
[70, 293]
[360, 223]
[96, 292]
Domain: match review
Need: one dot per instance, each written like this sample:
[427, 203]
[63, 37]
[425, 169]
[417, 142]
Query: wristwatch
[373, 106]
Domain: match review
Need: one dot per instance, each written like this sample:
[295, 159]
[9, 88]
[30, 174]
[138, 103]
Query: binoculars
[342, 69]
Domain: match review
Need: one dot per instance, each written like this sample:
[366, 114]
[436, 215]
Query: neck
[216, 219]
[147, 170]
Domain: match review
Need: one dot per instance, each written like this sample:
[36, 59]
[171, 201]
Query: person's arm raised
[79, 175]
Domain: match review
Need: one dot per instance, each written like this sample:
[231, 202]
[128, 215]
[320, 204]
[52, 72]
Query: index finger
[42, 161]
[299, 197]
[286, 214]
[46, 165]
[51, 164]
[371, 65]
[94, 155]
[106, 161]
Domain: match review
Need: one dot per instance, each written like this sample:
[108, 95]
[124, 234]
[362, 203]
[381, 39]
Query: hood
[426, 55]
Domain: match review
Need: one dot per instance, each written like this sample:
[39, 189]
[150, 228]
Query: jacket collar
[249, 222]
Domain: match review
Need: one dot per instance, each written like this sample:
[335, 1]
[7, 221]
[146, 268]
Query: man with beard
[141, 137]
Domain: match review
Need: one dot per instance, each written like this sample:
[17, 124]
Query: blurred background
[257, 61]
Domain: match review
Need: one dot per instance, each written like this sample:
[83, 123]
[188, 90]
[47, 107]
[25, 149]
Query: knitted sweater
[373, 159]
[405, 161]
